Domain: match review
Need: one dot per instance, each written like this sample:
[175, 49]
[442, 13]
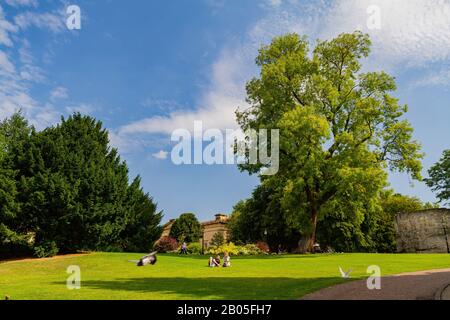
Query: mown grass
[111, 276]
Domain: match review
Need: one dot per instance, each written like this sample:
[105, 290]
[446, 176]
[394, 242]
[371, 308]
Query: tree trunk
[306, 243]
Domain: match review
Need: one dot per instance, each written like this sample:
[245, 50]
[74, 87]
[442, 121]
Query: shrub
[186, 228]
[252, 249]
[194, 248]
[264, 247]
[46, 249]
[232, 249]
[166, 244]
[218, 239]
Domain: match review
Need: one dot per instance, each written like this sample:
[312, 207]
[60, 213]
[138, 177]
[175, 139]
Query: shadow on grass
[216, 287]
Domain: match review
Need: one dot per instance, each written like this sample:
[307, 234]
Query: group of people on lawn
[215, 262]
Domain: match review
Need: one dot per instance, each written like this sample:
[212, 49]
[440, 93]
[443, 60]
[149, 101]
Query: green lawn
[111, 276]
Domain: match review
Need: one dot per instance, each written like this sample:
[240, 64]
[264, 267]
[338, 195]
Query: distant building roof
[220, 219]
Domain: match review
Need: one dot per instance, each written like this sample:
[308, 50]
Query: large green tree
[186, 228]
[261, 218]
[375, 232]
[340, 128]
[14, 132]
[73, 190]
[439, 180]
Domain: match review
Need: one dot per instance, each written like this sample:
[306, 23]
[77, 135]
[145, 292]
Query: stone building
[219, 224]
[167, 227]
[425, 231]
[210, 228]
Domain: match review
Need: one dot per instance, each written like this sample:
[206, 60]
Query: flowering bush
[232, 249]
[252, 249]
[166, 244]
[194, 248]
[264, 247]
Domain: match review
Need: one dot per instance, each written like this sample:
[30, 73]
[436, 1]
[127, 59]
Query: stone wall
[425, 231]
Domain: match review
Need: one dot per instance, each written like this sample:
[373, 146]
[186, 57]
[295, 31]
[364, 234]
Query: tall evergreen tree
[74, 191]
[439, 180]
[14, 132]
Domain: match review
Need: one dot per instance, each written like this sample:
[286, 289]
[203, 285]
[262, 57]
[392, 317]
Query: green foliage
[392, 204]
[249, 249]
[46, 249]
[264, 247]
[340, 129]
[439, 180]
[166, 244]
[194, 248]
[13, 239]
[218, 239]
[253, 217]
[232, 249]
[142, 229]
[71, 190]
[186, 228]
[375, 232]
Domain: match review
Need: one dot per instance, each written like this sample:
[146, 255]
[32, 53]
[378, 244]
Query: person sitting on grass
[226, 260]
[213, 262]
[217, 261]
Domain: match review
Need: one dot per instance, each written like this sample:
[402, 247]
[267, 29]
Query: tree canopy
[439, 180]
[340, 128]
[73, 191]
[186, 228]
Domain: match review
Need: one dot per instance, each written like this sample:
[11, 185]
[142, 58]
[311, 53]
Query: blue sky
[145, 68]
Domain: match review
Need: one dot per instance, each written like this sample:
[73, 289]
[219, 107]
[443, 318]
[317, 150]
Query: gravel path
[421, 285]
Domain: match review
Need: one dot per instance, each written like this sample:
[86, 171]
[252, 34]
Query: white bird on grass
[345, 275]
[146, 260]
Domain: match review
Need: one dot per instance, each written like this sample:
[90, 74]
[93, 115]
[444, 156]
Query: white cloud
[6, 28]
[59, 93]
[440, 78]
[83, 108]
[44, 116]
[29, 71]
[160, 155]
[414, 34]
[6, 66]
[127, 144]
[273, 3]
[24, 3]
[51, 21]
[15, 80]
[216, 106]
[226, 92]
[18, 75]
